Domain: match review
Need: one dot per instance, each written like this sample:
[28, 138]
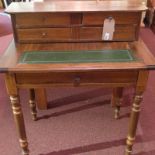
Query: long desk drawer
[44, 34]
[77, 77]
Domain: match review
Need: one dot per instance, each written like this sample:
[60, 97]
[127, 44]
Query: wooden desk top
[76, 6]
[9, 61]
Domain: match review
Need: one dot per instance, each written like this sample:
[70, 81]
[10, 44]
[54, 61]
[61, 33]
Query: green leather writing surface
[39, 57]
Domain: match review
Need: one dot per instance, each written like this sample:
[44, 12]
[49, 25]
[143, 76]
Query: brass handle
[44, 34]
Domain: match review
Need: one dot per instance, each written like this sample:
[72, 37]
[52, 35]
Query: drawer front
[122, 33]
[42, 19]
[63, 19]
[74, 27]
[78, 77]
[120, 18]
[44, 34]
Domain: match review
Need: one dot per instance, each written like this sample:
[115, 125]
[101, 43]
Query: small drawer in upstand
[120, 18]
[42, 19]
[126, 25]
[122, 33]
[44, 35]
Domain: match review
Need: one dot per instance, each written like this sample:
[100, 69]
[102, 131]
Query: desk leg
[133, 123]
[18, 117]
[116, 100]
[33, 104]
[41, 98]
[134, 116]
[17, 112]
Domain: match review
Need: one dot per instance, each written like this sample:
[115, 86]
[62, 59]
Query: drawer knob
[77, 81]
[44, 34]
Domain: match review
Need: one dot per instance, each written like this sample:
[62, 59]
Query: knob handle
[44, 34]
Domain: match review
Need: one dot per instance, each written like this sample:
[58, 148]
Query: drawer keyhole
[77, 81]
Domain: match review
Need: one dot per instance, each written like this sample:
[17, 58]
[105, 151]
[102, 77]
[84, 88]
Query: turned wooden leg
[116, 100]
[133, 123]
[134, 116]
[33, 104]
[17, 111]
[19, 120]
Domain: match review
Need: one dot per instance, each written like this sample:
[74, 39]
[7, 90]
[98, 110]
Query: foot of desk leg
[116, 100]
[133, 124]
[117, 112]
[128, 152]
[33, 104]
[19, 120]
[24, 146]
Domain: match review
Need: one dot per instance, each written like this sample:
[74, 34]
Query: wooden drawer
[77, 77]
[74, 27]
[120, 18]
[44, 34]
[42, 19]
[63, 19]
[122, 33]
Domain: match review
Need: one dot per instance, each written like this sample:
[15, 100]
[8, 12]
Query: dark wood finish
[84, 76]
[77, 6]
[41, 98]
[98, 18]
[44, 35]
[32, 104]
[134, 116]
[81, 22]
[116, 100]
[120, 34]
[32, 20]
[115, 75]
[70, 25]
[9, 62]
[17, 111]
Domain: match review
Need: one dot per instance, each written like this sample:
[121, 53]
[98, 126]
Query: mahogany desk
[50, 75]
[79, 29]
